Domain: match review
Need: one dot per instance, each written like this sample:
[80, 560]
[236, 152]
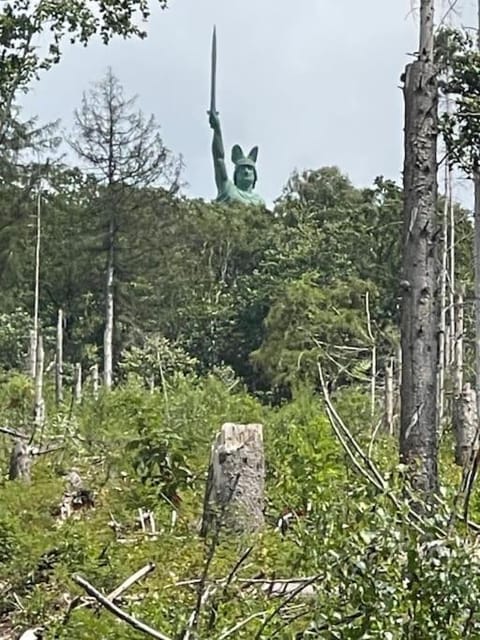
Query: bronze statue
[241, 189]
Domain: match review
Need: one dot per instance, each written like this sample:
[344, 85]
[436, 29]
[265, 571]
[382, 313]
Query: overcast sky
[312, 82]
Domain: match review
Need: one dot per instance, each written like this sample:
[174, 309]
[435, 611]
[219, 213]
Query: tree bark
[39, 403]
[95, 381]
[419, 324]
[77, 390]
[59, 359]
[459, 329]
[464, 424]
[20, 462]
[389, 398]
[476, 179]
[234, 495]
[443, 339]
[36, 297]
[109, 313]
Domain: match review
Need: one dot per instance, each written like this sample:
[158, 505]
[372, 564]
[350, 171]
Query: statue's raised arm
[218, 152]
[245, 174]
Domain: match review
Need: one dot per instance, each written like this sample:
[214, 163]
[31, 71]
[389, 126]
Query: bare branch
[113, 608]
[284, 602]
[239, 625]
[14, 433]
[138, 575]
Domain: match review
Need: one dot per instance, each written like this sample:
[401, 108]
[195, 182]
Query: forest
[342, 324]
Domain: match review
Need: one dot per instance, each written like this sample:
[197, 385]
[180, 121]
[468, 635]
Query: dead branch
[113, 608]
[14, 433]
[284, 603]
[239, 625]
[46, 450]
[138, 575]
[192, 622]
[378, 479]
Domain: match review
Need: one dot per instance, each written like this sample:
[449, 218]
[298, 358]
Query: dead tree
[39, 403]
[389, 397]
[95, 381]
[59, 359]
[125, 151]
[419, 324]
[77, 384]
[234, 495]
[459, 329]
[20, 462]
[464, 424]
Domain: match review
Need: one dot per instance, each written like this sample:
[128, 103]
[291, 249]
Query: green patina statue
[245, 173]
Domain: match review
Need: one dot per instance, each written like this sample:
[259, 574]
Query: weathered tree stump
[20, 462]
[234, 496]
[464, 424]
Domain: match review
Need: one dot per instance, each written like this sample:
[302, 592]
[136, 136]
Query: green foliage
[376, 576]
[459, 60]
[23, 22]
[14, 339]
[309, 323]
[156, 360]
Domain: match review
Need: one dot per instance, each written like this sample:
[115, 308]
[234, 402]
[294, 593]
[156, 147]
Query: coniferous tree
[124, 152]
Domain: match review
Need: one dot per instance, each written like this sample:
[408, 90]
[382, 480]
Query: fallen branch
[80, 602]
[379, 482]
[110, 606]
[239, 625]
[284, 603]
[138, 575]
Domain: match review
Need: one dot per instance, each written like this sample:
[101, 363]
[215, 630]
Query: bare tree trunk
[451, 253]
[398, 389]
[419, 326]
[77, 390]
[464, 425]
[109, 314]
[59, 359]
[36, 300]
[443, 339]
[31, 356]
[95, 381]
[477, 286]
[20, 462]
[459, 329]
[39, 407]
[374, 358]
[389, 399]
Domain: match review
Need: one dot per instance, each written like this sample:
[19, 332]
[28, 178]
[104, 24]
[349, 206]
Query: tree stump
[20, 462]
[464, 424]
[234, 495]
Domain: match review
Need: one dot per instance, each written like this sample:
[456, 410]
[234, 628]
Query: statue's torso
[231, 193]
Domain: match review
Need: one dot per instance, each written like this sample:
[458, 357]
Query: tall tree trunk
[59, 359]
[39, 407]
[419, 325]
[476, 209]
[443, 341]
[459, 329]
[77, 389]
[477, 285]
[109, 312]
[36, 297]
[95, 381]
[451, 255]
[389, 398]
